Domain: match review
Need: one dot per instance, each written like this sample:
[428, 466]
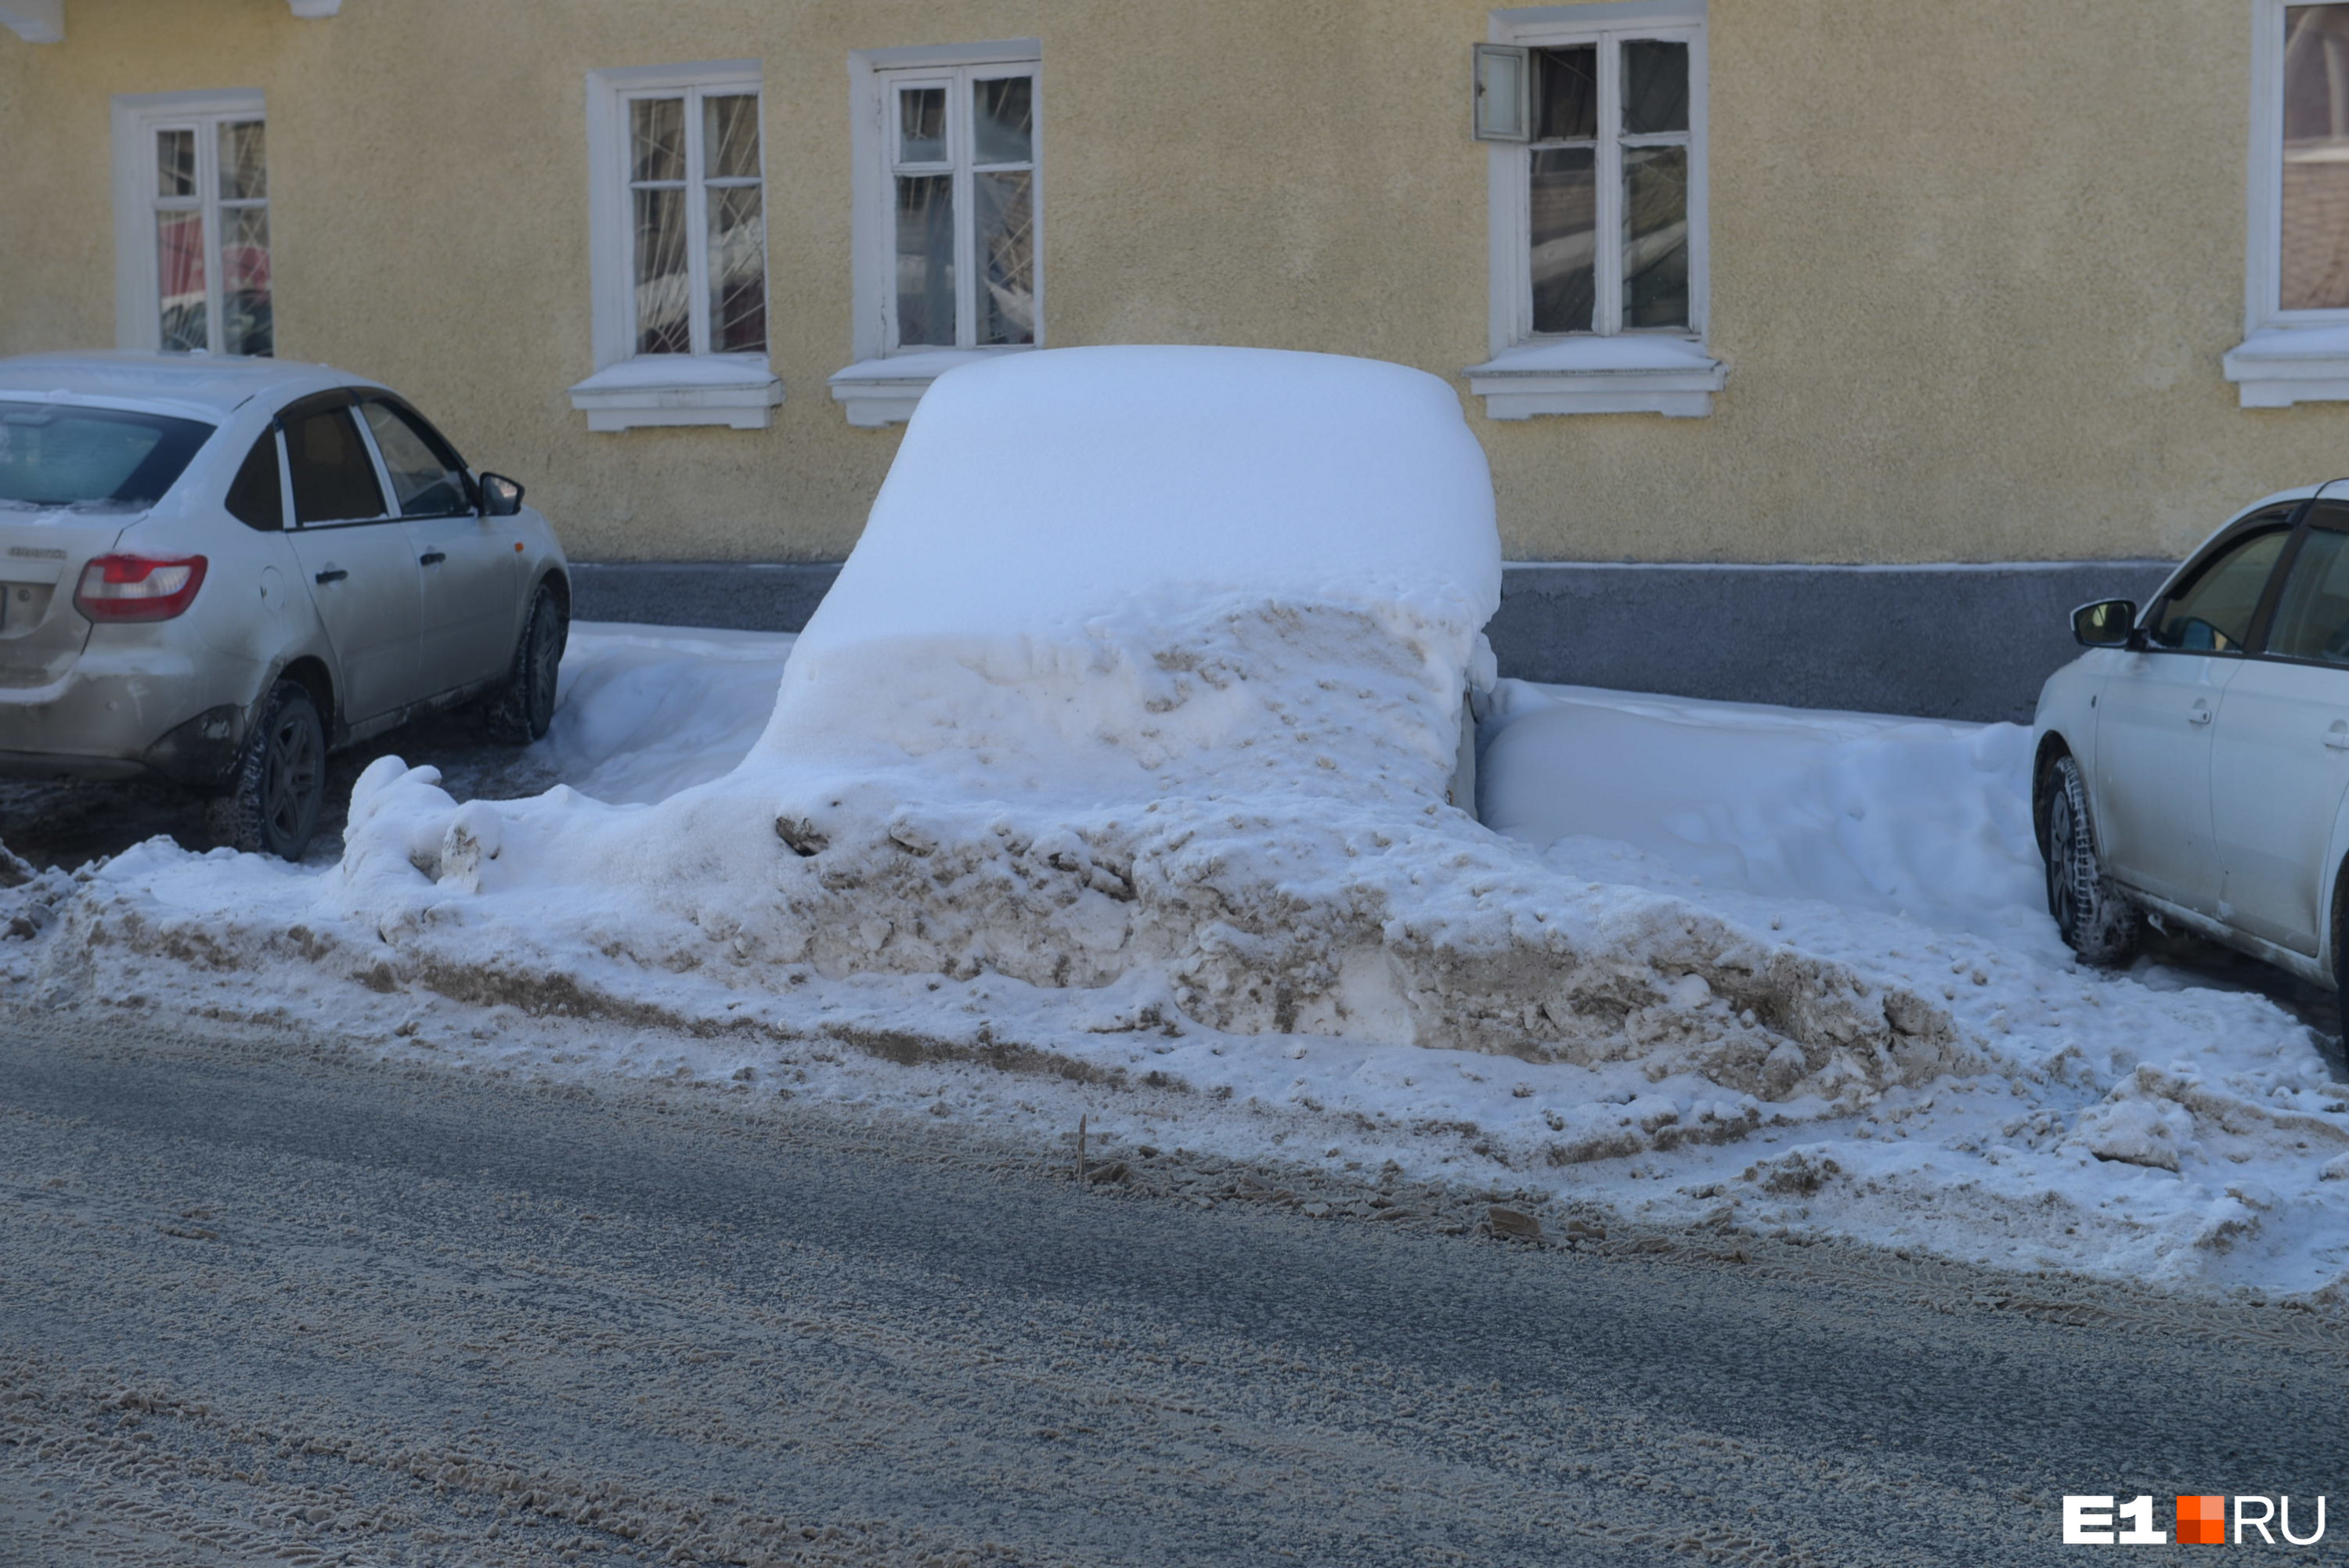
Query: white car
[2193, 766]
[214, 571]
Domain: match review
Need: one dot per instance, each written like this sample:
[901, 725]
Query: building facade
[1728, 282]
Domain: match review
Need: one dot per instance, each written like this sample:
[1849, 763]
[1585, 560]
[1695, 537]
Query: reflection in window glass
[732, 197]
[683, 148]
[1003, 110]
[423, 485]
[925, 274]
[1655, 236]
[922, 125]
[211, 237]
[962, 197]
[90, 458]
[2312, 619]
[1602, 259]
[2213, 612]
[2315, 227]
[1565, 195]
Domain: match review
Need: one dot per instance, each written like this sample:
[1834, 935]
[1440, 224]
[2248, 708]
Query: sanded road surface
[270, 1302]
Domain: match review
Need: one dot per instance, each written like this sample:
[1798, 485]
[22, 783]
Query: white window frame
[884, 383]
[137, 118]
[630, 390]
[1611, 369]
[2286, 356]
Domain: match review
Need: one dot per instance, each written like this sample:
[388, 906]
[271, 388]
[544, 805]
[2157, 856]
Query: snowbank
[1148, 670]
[1120, 751]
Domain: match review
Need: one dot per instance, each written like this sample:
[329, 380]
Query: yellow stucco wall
[1973, 267]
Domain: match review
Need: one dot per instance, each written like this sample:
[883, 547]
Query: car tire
[279, 784]
[2095, 919]
[520, 711]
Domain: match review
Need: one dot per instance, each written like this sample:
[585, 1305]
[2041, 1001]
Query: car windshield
[57, 456]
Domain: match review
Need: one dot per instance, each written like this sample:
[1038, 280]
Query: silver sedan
[216, 570]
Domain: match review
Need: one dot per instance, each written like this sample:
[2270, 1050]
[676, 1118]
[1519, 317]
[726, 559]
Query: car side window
[424, 478]
[333, 478]
[2312, 619]
[2212, 612]
[254, 498]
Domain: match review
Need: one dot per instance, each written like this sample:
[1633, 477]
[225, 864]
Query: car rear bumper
[165, 718]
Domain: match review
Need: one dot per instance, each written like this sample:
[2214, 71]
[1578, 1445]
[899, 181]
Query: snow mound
[1151, 664]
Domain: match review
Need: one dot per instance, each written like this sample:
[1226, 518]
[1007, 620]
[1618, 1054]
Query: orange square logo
[2202, 1522]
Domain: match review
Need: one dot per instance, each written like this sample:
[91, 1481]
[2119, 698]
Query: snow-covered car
[214, 571]
[2192, 768]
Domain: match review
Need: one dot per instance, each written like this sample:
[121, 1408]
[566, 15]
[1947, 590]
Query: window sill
[732, 389]
[882, 392]
[1629, 373]
[2277, 367]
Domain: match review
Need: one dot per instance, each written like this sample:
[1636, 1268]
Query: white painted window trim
[137, 118]
[883, 384]
[1638, 371]
[628, 389]
[2286, 356]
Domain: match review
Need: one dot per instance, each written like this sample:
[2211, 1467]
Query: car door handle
[2337, 737]
[331, 574]
[432, 557]
[2199, 715]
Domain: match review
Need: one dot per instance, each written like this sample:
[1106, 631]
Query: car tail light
[138, 587]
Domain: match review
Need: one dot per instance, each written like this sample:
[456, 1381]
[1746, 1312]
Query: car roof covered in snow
[207, 386]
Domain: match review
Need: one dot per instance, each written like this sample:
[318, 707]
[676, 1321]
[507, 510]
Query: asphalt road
[270, 1300]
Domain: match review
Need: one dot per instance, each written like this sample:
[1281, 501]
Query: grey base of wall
[1945, 641]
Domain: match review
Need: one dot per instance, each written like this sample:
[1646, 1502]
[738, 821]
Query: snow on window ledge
[738, 390]
[2277, 367]
[1627, 373]
[880, 392]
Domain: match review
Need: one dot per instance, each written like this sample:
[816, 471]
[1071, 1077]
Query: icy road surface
[265, 1300]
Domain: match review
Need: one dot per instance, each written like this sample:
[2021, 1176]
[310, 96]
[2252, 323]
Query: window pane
[1655, 87]
[1006, 256]
[2311, 620]
[423, 484]
[738, 270]
[179, 276]
[334, 481]
[1565, 238]
[246, 326]
[255, 499]
[656, 139]
[2315, 157]
[730, 137]
[243, 161]
[2213, 614]
[1003, 111]
[926, 282]
[664, 288]
[52, 455]
[175, 163]
[922, 126]
[1567, 93]
[1655, 236]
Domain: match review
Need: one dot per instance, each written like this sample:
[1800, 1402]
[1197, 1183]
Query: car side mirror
[2106, 624]
[500, 496]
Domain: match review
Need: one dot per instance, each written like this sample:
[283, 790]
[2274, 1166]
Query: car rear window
[91, 459]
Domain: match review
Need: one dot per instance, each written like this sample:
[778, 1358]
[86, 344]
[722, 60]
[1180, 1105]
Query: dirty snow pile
[1170, 704]
[2144, 1122]
[1121, 749]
